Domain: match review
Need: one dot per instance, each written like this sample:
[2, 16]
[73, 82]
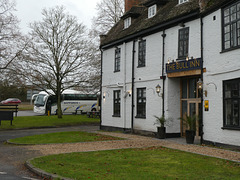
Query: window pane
[235, 113]
[192, 109]
[192, 88]
[227, 29]
[227, 44]
[228, 91]
[184, 88]
[235, 90]
[226, 12]
[234, 34]
[227, 19]
[227, 37]
[228, 112]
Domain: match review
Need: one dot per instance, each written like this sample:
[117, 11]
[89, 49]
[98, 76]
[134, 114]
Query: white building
[176, 44]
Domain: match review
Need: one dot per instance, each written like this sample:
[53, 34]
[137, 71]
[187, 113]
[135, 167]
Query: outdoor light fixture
[200, 84]
[158, 89]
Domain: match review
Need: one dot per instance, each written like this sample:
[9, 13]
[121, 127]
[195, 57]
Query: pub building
[174, 58]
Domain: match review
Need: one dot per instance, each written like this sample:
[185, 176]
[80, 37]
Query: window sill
[141, 66]
[181, 58]
[229, 49]
[140, 117]
[116, 116]
[231, 128]
[116, 71]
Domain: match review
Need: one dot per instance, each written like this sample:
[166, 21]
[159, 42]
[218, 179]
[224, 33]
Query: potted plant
[161, 130]
[191, 128]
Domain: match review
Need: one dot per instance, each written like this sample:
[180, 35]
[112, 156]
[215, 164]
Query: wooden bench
[10, 107]
[81, 111]
[6, 116]
[93, 114]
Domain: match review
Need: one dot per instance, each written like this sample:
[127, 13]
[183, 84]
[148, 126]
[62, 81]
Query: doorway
[191, 103]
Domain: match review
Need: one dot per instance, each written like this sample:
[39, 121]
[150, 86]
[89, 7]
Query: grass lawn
[150, 163]
[25, 107]
[63, 137]
[45, 121]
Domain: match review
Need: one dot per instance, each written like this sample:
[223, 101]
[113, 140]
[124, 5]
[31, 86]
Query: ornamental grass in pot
[161, 129]
[191, 128]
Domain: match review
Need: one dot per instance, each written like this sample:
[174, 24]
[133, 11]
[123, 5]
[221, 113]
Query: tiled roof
[165, 13]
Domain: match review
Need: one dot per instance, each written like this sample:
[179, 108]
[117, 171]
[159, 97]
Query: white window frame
[152, 11]
[127, 22]
[182, 1]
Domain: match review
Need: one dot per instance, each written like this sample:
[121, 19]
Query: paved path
[12, 158]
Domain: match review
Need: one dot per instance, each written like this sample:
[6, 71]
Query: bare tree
[108, 14]
[57, 56]
[10, 37]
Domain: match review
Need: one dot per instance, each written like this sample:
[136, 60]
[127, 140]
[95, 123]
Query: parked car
[11, 101]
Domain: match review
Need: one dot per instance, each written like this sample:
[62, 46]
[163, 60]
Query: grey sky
[30, 10]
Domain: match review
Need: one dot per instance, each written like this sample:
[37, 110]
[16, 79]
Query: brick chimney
[130, 3]
[203, 4]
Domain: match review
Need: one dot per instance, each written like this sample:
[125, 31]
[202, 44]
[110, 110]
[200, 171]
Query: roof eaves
[151, 30]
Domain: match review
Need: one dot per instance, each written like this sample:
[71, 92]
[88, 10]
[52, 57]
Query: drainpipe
[124, 87]
[133, 78]
[100, 99]
[163, 77]
[201, 133]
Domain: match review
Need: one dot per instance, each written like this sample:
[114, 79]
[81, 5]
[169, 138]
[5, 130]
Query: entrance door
[190, 103]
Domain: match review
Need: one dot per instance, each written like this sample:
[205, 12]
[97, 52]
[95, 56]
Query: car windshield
[40, 100]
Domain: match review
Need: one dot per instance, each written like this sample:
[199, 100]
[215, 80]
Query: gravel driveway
[134, 141]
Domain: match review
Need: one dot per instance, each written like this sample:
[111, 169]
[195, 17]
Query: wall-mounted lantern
[158, 89]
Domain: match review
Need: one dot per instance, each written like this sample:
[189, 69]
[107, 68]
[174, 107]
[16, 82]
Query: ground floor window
[141, 102]
[116, 103]
[231, 103]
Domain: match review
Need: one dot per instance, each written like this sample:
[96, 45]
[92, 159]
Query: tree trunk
[59, 108]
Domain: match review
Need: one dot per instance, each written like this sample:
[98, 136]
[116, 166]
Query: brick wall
[130, 3]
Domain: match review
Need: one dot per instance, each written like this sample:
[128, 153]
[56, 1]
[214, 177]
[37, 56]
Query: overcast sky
[30, 10]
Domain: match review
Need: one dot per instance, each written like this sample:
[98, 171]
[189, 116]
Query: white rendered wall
[219, 67]
[147, 77]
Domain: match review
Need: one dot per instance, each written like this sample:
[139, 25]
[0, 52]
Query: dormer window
[152, 10]
[182, 1]
[127, 22]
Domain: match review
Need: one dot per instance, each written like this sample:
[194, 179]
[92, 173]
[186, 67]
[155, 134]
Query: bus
[72, 101]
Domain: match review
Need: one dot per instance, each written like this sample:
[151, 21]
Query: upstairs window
[231, 26]
[152, 10]
[142, 53]
[183, 41]
[127, 22]
[182, 1]
[117, 59]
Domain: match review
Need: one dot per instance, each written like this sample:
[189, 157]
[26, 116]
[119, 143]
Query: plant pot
[161, 132]
[190, 135]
